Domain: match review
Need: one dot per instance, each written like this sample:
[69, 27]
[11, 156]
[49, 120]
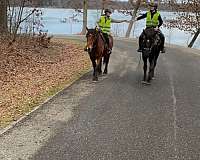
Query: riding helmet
[108, 10]
[152, 4]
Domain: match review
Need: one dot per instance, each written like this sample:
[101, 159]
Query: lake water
[52, 20]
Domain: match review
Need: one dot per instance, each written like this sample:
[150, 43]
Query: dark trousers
[106, 36]
[162, 37]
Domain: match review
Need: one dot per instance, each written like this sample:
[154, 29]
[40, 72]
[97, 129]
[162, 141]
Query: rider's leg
[106, 36]
[162, 37]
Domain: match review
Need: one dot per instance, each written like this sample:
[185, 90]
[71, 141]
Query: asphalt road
[118, 118]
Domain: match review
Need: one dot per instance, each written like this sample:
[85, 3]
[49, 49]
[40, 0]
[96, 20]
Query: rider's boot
[108, 49]
[139, 49]
[163, 50]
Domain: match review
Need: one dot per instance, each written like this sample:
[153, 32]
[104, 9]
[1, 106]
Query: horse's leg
[106, 59]
[151, 69]
[155, 62]
[97, 68]
[100, 67]
[107, 56]
[145, 67]
[94, 68]
[95, 76]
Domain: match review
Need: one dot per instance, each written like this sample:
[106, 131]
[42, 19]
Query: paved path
[118, 118]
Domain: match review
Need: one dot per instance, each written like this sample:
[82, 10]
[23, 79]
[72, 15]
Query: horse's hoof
[105, 72]
[143, 82]
[100, 73]
[146, 83]
[95, 79]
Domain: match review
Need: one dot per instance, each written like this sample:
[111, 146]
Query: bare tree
[187, 17]
[22, 21]
[133, 14]
[194, 38]
[85, 10]
[17, 16]
[104, 5]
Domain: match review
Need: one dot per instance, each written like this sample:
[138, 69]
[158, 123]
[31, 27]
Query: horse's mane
[149, 32]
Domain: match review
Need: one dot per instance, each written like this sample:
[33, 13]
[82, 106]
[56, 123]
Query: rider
[104, 25]
[153, 19]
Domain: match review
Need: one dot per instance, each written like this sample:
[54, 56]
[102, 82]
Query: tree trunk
[103, 6]
[85, 8]
[137, 6]
[194, 38]
[3, 17]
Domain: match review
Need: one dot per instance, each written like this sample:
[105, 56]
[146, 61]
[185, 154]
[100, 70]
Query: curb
[13, 124]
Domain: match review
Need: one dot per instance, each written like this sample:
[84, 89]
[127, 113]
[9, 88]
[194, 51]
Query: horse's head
[148, 40]
[91, 38]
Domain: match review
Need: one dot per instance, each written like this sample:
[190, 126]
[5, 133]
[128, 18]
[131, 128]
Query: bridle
[153, 42]
[95, 35]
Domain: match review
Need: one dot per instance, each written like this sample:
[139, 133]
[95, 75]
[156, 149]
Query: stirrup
[109, 51]
[86, 49]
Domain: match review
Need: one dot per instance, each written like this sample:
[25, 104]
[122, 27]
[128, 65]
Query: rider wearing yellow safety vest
[104, 24]
[153, 19]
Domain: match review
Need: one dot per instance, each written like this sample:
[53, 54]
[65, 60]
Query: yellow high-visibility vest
[105, 24]
[152, 22]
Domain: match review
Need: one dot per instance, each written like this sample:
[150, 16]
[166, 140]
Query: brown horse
[97, 50]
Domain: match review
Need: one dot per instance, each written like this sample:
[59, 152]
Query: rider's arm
[160, 21]
[118, 21]
[141, 17]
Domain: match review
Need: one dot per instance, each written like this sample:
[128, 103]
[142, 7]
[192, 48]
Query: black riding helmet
[155, 5]
[107, 10]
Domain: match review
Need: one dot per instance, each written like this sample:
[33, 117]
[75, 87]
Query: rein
[95, 42]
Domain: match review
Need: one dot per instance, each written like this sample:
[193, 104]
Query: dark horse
[97, 50]
[151, 47]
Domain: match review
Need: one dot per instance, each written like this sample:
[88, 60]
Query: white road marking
[174, 114]
[174, 104]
